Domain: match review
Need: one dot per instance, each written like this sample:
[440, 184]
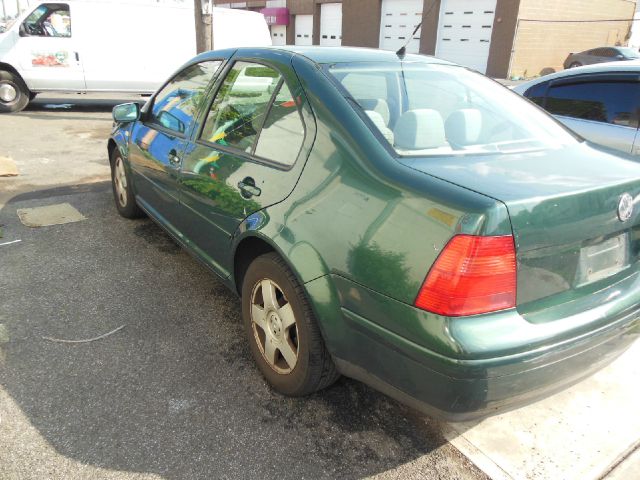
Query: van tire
[22, 94]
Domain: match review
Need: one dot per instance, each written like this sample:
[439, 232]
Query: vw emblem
[625, 207]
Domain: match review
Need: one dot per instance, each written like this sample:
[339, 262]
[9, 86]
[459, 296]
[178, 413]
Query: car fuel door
[247, 155]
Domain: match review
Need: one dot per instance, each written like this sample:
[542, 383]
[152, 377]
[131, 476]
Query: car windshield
[629, 52]
[436, 109]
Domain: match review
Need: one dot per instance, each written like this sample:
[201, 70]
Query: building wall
[361, 23]
[541, 47]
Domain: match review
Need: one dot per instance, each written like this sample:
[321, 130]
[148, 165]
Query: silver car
[599, 102]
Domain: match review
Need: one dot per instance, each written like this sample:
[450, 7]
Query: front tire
[122, 189]
[283, 333]
[14, 94]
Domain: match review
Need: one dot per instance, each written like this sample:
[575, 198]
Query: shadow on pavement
[175, 392]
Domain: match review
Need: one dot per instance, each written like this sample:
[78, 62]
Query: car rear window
[434, 109]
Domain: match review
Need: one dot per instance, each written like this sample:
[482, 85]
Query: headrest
[464, 126]
[377, 105]
[420, 129]
[378, 121]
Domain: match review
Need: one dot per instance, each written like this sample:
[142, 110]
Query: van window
[49, 20]
[283, 132]
[612, 102]
[238, 111]
[178, 102]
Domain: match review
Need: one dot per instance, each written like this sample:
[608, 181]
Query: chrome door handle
[248, 188]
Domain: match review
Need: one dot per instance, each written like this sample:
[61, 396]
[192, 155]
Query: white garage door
[399, 20]
[464, 32]
[278, 34]
[304, 29]
[331, 24]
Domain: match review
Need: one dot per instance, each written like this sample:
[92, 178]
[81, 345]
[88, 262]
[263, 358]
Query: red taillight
[471, 275]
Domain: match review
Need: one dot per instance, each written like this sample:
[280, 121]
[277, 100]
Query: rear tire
[14, 94]
[282, 330]
[122, 189]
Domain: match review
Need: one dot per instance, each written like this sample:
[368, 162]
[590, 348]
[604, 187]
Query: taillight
[471, 275]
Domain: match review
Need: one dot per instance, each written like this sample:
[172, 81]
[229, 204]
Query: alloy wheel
[274, 326]
[120, 180]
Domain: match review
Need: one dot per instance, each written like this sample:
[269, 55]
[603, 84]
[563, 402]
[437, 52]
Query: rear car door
[157, 143]
[247, 154]
[601, 108]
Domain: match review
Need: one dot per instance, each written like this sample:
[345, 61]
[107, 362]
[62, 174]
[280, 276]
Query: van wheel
[14, 94]
[122, 190]
[282, 330]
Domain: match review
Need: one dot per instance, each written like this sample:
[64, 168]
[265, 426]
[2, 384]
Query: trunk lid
[563, 205]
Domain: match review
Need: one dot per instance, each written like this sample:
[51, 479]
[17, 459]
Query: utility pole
[4, 11]
[201, 40]
[17, 8]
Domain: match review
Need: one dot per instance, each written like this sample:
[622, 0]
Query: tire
[575, 64]
[291, 328]
[122, 190]
[14, 94]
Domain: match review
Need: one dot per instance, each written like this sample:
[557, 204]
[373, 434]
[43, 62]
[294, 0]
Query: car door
[47, 49]
[247, 154]
[601, 108]
[158, 141]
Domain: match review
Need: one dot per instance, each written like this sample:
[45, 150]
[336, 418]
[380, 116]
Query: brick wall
[542, 47]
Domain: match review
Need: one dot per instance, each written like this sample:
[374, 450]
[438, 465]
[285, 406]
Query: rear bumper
[395, 370]
[470, 384]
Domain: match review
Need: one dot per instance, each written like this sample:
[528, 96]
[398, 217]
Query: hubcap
[120, 181]
[274, 326]
[8, 93]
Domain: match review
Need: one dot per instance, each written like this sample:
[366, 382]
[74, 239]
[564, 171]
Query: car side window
[175, 106]
[48, 20]
[240, 106]
[283, 132]
[537, 93]
[613, 102]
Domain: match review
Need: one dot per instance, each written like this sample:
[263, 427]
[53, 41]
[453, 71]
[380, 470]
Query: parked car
[601, 55]
[71, 46]
[458, 250]
[599, 102]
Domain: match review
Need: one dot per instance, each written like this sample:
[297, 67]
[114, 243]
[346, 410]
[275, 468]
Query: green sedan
[396, 219]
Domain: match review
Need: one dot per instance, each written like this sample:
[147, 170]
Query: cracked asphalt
[174, 394]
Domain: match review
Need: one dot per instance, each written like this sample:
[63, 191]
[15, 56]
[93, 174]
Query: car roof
[632, 66]
[328, 55]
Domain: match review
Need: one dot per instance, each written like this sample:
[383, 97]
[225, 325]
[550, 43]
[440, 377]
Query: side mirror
[126, 112]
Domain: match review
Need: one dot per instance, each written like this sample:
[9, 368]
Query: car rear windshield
[435, 109]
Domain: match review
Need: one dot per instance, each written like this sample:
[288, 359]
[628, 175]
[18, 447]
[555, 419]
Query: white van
[119, 46]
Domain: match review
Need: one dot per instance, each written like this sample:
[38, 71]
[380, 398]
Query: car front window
[434, 109]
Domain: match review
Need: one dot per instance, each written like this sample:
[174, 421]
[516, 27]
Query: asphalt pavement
[173, 394]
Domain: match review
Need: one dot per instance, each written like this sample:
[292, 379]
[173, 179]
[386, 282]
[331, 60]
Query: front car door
[47, 49]
[247, 154]
[158, 142]
[601, 108]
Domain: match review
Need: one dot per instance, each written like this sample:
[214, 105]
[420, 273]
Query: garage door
[331, 24]
[464, 32]
[304, 29]
[278, 34]
[399, 19]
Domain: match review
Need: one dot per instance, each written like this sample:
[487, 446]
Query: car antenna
[402, 51]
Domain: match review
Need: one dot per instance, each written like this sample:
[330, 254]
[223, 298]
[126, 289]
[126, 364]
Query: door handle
[248, 188]
[174, 160]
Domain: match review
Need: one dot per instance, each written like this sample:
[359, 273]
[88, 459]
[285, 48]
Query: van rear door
[46, 50]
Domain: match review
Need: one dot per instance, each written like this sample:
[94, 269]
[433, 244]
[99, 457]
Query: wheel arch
[11, 69]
